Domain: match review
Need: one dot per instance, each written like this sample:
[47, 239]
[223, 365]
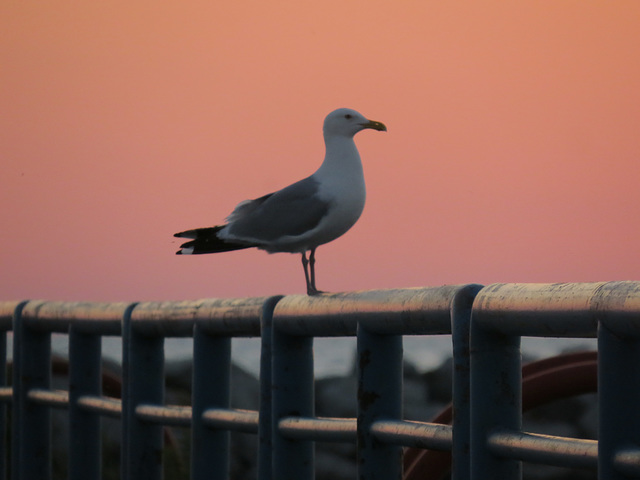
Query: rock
[440, 382]
[331, 466]
[337, 396]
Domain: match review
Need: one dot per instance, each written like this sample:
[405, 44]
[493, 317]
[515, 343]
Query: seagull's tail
[205, 240]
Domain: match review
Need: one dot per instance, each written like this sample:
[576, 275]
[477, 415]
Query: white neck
[341, 155]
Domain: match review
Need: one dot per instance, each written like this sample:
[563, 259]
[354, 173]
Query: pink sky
[513, 150]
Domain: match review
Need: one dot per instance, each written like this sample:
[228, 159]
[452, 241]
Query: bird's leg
[305, 265]
[312, 264]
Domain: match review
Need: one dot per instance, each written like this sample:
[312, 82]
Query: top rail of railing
[397, 311]
[101, 318]
[7, 311]
[401, 312]
[228, 317]
[558, 310]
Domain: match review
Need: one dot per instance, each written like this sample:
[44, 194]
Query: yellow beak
[381, 127]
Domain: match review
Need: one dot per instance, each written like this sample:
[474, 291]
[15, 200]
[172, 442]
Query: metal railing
[485, 438]
[502, 314]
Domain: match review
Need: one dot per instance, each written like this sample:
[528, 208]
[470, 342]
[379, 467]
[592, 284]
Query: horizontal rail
[50, 398]
[6, 394]
[87, 317]
[546, 449]
[171, 415]
[319, 428]
[181, 416]
[110, 407]
[7, 309]
[627, 462]
[559, 310]
[414, 434]
[546, 310]
[617, 307]
[405, 433]
[231, 419]
[228, 317]
[407, 312]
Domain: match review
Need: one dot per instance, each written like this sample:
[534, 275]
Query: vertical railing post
[211, 389]
[496, 394]
[618, 399]
[3, 408]
[293, 395]
[8, 313]
[143, 365]
[265, 419]
[85, 378]
[32, 422]
[379, 398]
[17, 388]
[460, 327]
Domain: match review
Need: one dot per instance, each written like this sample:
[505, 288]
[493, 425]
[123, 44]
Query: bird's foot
[311, 291]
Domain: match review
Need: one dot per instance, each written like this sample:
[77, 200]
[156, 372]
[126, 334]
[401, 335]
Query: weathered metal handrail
[503, 313]
[212, 323]
[317, 428]
[379, 319]
[486, 438]
[547, 449]
[33, 324]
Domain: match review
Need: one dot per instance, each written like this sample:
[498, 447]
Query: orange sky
[512, 152]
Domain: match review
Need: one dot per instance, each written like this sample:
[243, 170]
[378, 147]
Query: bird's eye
[348, 116]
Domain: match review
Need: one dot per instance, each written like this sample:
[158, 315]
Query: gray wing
[291, 211]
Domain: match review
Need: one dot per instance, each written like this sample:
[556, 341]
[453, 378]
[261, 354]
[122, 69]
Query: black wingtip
[205, 240]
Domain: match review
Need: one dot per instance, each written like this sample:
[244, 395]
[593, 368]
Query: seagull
[306, 214]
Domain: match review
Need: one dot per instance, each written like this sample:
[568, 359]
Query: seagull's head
[346, 122]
